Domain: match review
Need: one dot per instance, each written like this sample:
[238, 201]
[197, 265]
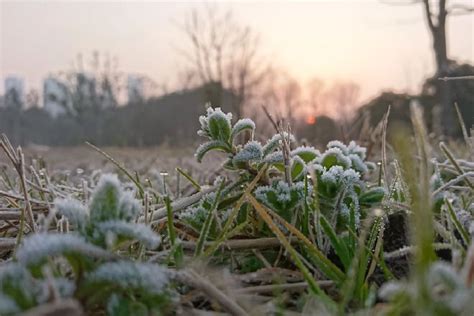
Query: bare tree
[223, 55]
[343, 97]
[436, 14]
[315, 95]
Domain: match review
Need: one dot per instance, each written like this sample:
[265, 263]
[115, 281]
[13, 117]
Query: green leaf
[207, 224]
[297, 168]
[307, 154]
[338, 244]
[203, 149]
[372, 196]
[105, 199]
[219, 126]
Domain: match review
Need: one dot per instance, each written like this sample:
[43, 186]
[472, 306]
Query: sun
[310, 120]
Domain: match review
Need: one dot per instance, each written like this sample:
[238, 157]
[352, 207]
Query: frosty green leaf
[242, 125]
[219, 125]
[128, 275]
[74, 211]
[252, 151]
[306, 153]
[105, 199]
[274, 142]
[41, 246]
[134, 231]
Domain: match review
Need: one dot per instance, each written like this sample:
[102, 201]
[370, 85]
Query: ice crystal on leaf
[110, 201]
[274, 157]
[244, 124]
[75, 212]
[113, 230]
[129, 207]
[338, 144]
[41, 246]
[307, 153]
[275, 142]
[216, 125]
[8, 305]
[203, 149]
[358, 164]
[16, 280]
[355, 149]
[335, 157]
[281, 197]
[252, 151]
[105, 199]
[128, 275]
[64, 287]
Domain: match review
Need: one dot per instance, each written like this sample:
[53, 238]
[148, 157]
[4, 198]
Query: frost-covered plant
[196, 214]
[97, 276]
[149, 282]
[110, 217]
[282, 197]
[20, 291]
[217, 127]
[446, 293]
[340, 172]
[40, 247]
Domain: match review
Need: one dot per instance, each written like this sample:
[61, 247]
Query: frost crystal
[127, 275]
[140, 232]
[252, 151]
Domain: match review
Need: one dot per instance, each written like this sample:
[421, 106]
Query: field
[239, 226]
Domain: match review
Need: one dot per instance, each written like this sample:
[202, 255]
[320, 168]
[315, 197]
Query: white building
[56, 97]
[14, 91]
[135, 88]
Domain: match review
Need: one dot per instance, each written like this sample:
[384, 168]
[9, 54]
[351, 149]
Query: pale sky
[379, 46]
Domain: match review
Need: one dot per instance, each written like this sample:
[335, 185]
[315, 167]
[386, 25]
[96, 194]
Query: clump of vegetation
[85, 262]
[308, 227]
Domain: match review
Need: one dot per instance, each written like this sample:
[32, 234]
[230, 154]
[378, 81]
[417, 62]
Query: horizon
[366, 42]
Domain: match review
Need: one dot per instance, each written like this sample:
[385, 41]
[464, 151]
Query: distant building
[135, 89]
[56, 97]
[14, 92]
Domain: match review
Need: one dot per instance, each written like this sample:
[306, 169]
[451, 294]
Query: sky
[378, 46]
